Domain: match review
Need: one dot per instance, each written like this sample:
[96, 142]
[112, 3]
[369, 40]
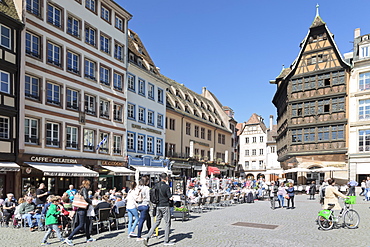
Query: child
[51, 220]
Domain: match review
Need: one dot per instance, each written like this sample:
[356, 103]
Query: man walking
[367, 189]
[163, 210]
[352, 187]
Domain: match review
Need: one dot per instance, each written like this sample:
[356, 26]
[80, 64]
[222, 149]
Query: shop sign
[111, 163]
[147, 129]
[53, 160]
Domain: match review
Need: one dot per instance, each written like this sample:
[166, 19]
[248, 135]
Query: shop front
[57, 173]
[114, 174]
[8, 173]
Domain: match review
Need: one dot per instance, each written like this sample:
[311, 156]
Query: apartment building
[196, 132]
[10, 62]
[73, 93]
[146, 110]
[359, 108]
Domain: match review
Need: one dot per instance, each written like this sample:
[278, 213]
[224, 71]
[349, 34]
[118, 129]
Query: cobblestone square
[296, 227]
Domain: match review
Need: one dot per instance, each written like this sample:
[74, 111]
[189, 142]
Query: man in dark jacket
[273, 189]
[163, 210]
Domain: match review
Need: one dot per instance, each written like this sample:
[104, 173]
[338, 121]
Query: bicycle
[351, 219]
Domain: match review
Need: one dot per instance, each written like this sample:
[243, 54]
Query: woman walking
[83, 220]
[290, 191]
[143, 206]
[131, 206]
[281, 194]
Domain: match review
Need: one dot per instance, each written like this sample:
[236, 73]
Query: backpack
[154, 194]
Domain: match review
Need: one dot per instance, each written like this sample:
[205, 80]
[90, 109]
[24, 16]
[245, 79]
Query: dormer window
[132, 57]
[195, 102]
[139, 62]
[210, 119]
[178, 94]
[209, 108]
[364, 51]
[177, 105]
[187, 109]
[202, 105]
[187, 98]
[196, 113]
[204, 116]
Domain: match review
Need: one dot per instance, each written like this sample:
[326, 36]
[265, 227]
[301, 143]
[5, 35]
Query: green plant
[181, 209]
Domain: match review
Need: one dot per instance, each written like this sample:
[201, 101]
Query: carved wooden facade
[311, 100]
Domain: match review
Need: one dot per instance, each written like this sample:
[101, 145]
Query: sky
[234, 48]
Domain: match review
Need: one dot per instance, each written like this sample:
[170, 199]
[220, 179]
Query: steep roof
[136, 46]
[272, 134]
[186, 106]
[7, 7]
[256, 120]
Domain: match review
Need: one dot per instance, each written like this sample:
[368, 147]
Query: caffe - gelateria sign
[53, 160]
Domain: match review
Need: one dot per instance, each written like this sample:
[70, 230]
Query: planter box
[181, 215]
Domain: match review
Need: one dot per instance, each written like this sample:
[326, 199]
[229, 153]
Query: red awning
[214, 170]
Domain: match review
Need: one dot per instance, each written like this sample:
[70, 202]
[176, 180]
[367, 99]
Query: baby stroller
[65, 225]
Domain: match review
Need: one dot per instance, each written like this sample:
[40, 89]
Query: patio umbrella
[330, 169]
[276, 172]
[298, 169]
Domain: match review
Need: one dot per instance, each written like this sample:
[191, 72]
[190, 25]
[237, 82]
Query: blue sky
[234, 48]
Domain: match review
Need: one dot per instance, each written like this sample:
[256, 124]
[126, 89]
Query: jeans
[351, 191]
[281, 200]
[366, 197]
[50, 229]
[30, 217]
[132, 213]
[162, 212]
[83, 221]
[144, 216]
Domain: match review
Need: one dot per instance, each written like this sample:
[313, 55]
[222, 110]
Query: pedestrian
[163, 210]
[352, 188]
[51, 220]
[331, 195]
[281, 194]
[367, 183]
[312, 190]
[71, 192]
[290, 191]
[273, 189]
[8, 208]
[131, 206]
[143, 207]
[41, 195]
[363, 187]
[83, 219]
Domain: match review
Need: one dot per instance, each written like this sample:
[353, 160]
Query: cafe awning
[9, 167]
[153, 170]
[119, 170]
[63, 170]
[214, 170]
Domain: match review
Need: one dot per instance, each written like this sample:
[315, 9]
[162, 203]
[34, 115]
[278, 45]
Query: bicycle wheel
[351, 219]
[325, 224]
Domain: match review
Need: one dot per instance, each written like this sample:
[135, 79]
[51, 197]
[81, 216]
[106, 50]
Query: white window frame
[364, 81]
[73, 26]
[72, 99]
[149, 144]
[91, 5]
[141, 83]
[159, 146]
[90, 69]
[117, 112]
[90, 104]
[90, 35]
[5, 36]
[140, 143]
[31, 131]
[73, 62]
[4, 127]
[54, 52]
[118, 51]
[150, 91]
[131, 111]
[117, 81]
[53, 93]
[117, 144]
[141, 114]
[89, 140]
[364, 109]
[105, 13]
[71, 137]
[105, 43]
[364, 51]
[54, 15]
[104, 108]
[160, 121]
[131, 141]
[151, 117]
[52, 134]
[32, 47]
[131, 82]
[104, 148]
[104, 75]
[119, 24]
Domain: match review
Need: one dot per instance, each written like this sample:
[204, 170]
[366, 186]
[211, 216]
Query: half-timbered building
[311, 98]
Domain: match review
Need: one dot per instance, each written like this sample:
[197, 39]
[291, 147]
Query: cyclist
[331, 195]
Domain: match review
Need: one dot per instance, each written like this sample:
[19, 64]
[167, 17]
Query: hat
[119, 196]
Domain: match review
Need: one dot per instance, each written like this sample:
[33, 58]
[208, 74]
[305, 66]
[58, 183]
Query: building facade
[196, 132]
[311, 98]
[146, 108]
[252, 143]
[10, 62]
[359, 109]
[73, 93]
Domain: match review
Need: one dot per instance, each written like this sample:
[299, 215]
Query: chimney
[271, 120]
[204, 91]
[357, 32]
[159, 69]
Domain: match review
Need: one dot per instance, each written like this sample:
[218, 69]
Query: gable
[318, 53]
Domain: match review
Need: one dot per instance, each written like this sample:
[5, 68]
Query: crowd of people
[43, 209]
